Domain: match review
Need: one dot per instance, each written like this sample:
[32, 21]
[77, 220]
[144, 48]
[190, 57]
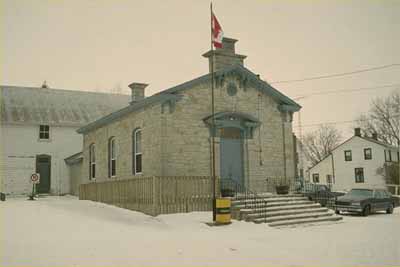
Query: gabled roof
[58, 107]
[172, 94]
[127, 110]
[368, 139]
[378, 142]
[244, 73]
[75, 158]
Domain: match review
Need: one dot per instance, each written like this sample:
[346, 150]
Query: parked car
[366, 201]
[321, 194]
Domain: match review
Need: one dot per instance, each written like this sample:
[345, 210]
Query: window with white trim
[92, 162]
[112, 157]
[359, 175]
[388, 155]
[315, 178]
[367, 153]
[44, 132]
[137, 151]
[347, 155]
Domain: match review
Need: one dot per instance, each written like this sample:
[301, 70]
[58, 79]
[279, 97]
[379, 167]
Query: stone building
[38, 131]
[169, 133]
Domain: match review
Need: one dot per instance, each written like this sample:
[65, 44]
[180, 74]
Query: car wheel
[366, 211]
[390, 209]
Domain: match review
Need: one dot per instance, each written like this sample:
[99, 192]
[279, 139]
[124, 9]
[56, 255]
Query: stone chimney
[357, 132]
[224, 57]
[137, 91]
[375, 136]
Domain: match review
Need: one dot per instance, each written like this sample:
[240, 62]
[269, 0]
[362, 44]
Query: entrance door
[43, 166]
[231, 154]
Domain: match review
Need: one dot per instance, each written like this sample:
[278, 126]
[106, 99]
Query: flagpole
[213, 132]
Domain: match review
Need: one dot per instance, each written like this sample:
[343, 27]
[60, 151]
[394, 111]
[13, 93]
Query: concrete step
[269, 200]
[250, 216]
[266, 195]
[293, 217]
[274, 204]
[282, 208]
[307, 220]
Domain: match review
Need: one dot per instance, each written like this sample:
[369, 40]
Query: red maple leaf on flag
[217, 33]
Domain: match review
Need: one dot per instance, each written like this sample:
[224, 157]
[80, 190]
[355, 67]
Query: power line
[345, 90]
[326, 123]
[337, 74]
[338, 122]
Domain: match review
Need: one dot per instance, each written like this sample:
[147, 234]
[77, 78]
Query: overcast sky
[101, 45]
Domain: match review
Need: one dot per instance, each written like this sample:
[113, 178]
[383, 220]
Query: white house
[38, 131]
[354, 163]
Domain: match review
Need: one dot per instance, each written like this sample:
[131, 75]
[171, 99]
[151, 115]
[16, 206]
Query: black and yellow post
[223, 211]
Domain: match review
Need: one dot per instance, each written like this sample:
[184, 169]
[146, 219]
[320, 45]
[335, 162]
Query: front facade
[169, 134]
[38, 131]
[355, 164]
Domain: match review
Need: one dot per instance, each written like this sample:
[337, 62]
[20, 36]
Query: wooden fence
[153, 195]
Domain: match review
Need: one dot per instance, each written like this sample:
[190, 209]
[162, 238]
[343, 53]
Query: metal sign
[35, 178]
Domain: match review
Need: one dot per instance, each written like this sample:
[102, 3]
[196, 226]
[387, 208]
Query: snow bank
[60, 231]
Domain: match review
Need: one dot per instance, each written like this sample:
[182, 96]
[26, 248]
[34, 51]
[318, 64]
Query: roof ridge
[60, 89]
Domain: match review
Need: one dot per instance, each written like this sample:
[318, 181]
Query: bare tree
[319, 143]
[390, 172]
[383, 119]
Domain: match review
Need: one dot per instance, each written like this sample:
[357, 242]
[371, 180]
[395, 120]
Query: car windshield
[360, 193]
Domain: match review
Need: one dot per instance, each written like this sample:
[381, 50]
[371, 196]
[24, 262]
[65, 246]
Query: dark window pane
[359, 175]
[347, 155]
[138, 163]
[113, 167]
[367, 153]
[93, 171]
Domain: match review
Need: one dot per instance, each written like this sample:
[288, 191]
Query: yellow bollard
[223, 214]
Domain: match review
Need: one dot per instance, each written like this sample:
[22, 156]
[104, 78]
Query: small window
[92, 162]
[388, 155]
[329, 179]
[112, 162]
[315, 177]
[367, 153]
[359, 175]
[44, 132]
[347, 155]
[137, 151]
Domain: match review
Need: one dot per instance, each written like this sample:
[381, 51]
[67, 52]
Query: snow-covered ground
[63, 231]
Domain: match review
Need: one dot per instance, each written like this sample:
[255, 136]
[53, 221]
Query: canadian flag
[217, 33]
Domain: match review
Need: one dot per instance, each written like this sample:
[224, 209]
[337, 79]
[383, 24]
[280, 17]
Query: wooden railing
[153, 195]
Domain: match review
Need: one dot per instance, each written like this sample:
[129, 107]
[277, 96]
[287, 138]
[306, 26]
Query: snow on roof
[32, 105]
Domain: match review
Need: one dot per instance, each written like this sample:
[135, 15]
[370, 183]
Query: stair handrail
[252, 199]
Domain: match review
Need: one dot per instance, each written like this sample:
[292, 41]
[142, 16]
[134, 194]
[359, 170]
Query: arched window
[112, 157]
[92, 162]
[137, 151]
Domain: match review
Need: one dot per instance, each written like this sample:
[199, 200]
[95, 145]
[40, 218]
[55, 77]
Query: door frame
[37, 169]
[240, 141]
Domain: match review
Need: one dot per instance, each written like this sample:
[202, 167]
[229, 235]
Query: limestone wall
[176, 141]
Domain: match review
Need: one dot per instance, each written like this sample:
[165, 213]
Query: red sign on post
[35, 178]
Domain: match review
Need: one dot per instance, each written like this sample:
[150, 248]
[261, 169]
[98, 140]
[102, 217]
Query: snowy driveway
[61, 231]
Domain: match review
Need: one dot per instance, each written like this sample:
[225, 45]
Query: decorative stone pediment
[245, 122]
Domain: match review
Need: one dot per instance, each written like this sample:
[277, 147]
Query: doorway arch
[232, 129]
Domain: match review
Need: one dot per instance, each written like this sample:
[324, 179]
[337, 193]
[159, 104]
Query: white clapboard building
[354, 163]
[38, 132]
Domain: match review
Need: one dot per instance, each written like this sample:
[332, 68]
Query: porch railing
[251, 199]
